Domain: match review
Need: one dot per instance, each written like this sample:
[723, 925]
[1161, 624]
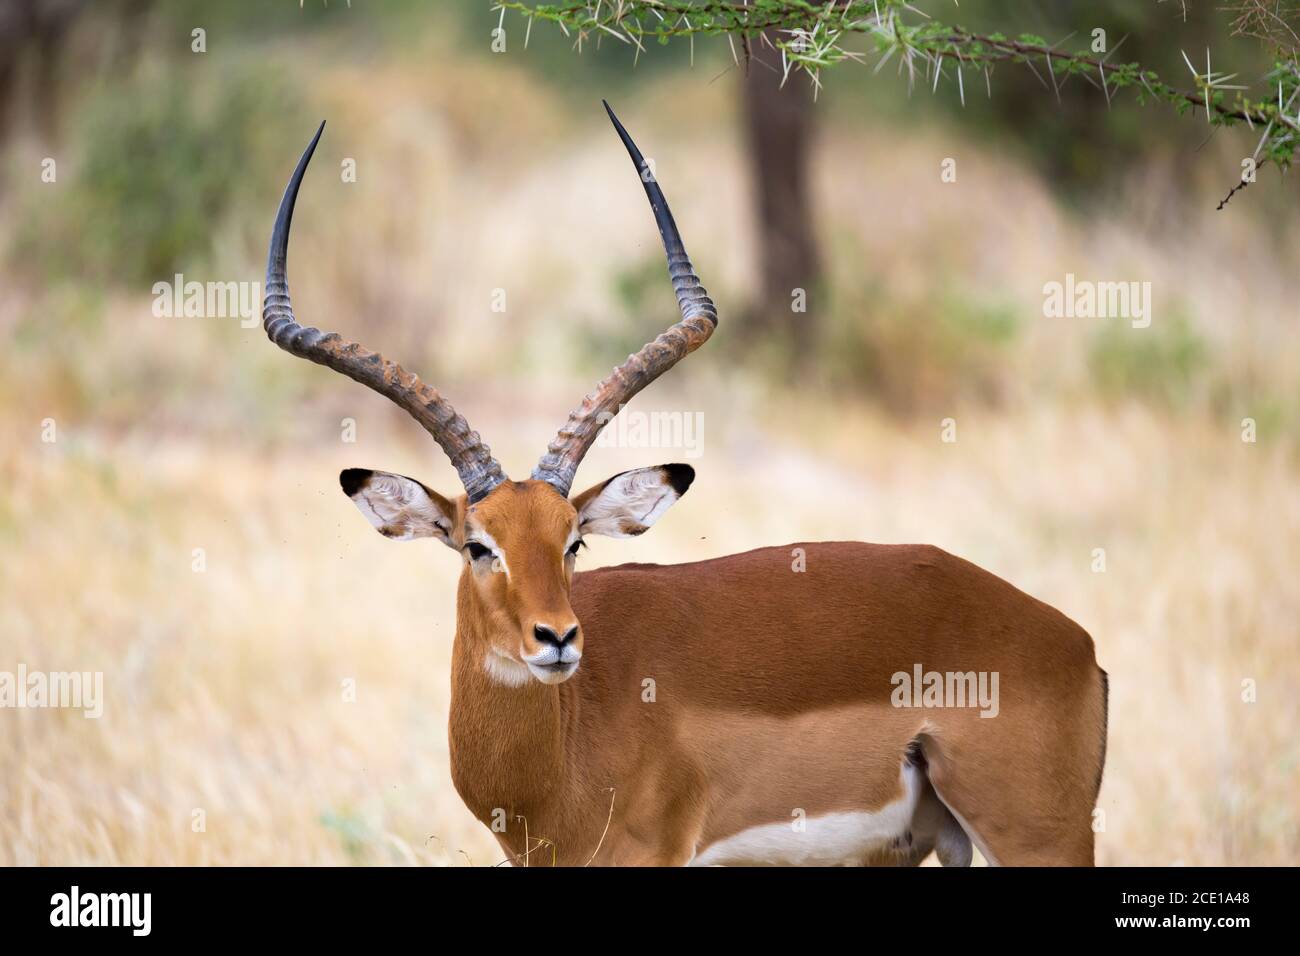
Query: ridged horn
[473, 461]
[699, 318]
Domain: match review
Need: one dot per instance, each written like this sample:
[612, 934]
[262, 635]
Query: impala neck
[507, 742]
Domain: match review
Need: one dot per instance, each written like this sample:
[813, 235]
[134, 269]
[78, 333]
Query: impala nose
[547, 635]
[559, 656]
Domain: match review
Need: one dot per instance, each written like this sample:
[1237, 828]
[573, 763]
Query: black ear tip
[351, 480]
[679, 476]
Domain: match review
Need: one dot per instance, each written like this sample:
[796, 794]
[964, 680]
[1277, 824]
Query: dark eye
[573, 548]
[477, 551]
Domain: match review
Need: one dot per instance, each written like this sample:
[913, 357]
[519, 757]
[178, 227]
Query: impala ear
[629, 503]
[401, 508]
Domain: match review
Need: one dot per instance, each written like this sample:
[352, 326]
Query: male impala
[726, 711]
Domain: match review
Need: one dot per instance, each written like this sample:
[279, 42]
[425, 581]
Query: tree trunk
[779, 127]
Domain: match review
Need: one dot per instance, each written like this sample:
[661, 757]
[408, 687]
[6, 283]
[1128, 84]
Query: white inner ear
[400, 508]
[629, 504]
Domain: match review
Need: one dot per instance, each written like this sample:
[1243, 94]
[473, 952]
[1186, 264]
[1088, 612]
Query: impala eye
[477, 551]
[573, 548]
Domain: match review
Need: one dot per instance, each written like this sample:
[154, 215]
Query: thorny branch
[812, 37]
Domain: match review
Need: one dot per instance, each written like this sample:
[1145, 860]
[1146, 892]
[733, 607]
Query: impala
[741, 710]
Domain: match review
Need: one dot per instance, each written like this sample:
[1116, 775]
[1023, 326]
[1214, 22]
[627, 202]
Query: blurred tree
[1079, 145]
[33, 38]
[31, 35]
[779, 129]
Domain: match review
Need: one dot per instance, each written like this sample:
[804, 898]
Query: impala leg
[937, 830]
[952, 845]
[1044, 825]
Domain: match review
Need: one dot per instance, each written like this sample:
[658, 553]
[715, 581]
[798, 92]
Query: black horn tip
[627, 140]
[315, 139]
[284, 216]
[306, 156]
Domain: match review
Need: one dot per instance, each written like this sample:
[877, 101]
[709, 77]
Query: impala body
[750, 709]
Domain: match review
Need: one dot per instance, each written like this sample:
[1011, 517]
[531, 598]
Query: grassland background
[478, 172]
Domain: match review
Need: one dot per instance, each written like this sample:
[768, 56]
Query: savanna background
[480, 171]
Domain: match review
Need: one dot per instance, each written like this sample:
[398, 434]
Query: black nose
[547, 636]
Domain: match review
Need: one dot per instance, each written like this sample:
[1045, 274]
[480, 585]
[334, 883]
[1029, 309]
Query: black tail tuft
[914, 755]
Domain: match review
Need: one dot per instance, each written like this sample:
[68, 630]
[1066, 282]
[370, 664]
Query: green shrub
[164, 156]
[915, 353]
[1160, 363]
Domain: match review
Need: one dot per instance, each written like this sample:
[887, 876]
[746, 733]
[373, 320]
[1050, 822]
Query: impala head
[518, 539]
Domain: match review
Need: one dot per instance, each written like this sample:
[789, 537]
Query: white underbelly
[831, 839]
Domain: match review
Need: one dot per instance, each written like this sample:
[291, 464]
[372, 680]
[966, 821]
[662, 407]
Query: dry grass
[225, 688]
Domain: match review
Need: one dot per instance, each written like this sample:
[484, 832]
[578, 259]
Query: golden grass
[224, 688]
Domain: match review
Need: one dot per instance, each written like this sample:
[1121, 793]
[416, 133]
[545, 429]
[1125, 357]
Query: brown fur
[771, 692]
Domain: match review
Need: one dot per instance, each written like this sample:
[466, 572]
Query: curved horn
[699, 318]
[473, 461]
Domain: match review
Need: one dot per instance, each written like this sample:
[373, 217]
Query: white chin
[554, 674]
